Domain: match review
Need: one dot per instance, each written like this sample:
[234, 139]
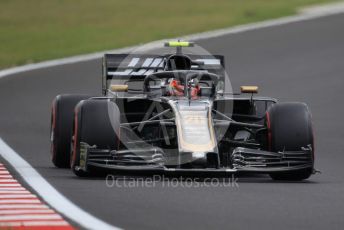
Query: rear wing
[127, 66]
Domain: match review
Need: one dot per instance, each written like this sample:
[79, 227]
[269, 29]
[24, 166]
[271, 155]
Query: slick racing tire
[96, 123]
[61, 127]
[290, 129]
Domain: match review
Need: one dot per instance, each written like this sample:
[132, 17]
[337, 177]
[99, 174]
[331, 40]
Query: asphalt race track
[302, 61]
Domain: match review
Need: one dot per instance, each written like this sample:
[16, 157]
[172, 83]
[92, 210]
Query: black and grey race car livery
[173, 113]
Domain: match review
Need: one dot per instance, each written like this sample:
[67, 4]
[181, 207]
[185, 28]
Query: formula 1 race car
[171, 113]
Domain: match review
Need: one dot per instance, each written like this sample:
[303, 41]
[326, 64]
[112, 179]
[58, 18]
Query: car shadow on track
[200, 177]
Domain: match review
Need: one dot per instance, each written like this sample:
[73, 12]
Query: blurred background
[37, 30]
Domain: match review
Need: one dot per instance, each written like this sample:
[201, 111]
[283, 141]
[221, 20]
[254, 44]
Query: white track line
[14, 192]
[20, 201]
[23, 206]
[7, 180]
[10, 185]
[16, 196]
[304, 14]
[34, 223]
[31, 217]
[13, 189]
[26, 211]
[49, 193]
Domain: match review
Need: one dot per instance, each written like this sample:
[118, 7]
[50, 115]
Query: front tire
[61, 127]
[290, 129]
[96, 122]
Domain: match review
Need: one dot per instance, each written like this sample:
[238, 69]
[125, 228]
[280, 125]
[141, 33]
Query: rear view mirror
[119, 88]
[249, 89]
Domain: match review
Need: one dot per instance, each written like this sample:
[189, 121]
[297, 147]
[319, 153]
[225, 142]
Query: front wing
[152, 160]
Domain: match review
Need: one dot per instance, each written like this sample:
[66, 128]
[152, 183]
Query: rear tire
[95, 122]
[290, 129]
[61, 128]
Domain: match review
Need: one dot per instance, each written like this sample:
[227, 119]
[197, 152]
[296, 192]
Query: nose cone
[199, 159]
[205, 160]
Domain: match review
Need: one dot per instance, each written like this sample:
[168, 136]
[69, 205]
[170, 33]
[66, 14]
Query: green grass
[36, 30]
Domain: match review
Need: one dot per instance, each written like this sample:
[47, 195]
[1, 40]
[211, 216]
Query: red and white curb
[20, 209]
[45, 190]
